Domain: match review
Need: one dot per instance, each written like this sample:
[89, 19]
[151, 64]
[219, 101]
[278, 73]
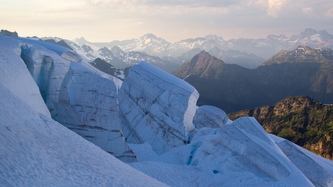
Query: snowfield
[65, 123]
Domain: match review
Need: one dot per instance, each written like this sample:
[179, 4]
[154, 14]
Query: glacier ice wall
[88, 105]
[78, 96]
[38, 151]
[243, 146]
[156, 107]
[313, 166]
[15, 76]
[209, 116]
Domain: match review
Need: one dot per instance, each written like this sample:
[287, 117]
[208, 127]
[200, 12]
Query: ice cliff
[209, 116]
[15, 76]
[38, 151]
[78, 95]
[157, 108]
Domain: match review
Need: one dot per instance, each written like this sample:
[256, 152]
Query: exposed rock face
[79, 96]
[302, 54]
[209, 116]
[157, 107]
[61, 43]
[108, 68]
[203, 65]
[8, 33]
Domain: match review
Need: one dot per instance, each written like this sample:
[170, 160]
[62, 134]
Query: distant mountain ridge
[262, 47]
[301, 120]
[115, 56]
[301, 55]
[235, 88]
[249, 53]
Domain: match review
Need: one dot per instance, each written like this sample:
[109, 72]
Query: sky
[172, 20]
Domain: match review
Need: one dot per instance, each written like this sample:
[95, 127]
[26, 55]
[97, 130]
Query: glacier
[240, 153]
[53, 101]
[38, 151]
[157, 108]
[209, 116]
[11, 64]
[77, 95]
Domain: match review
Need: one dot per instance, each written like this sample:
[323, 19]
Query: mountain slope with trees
[301, 119]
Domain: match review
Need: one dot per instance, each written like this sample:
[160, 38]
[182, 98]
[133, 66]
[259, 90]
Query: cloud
[170, 3]
[274, 7]
[173, 19]
[307, 10]
[329, 13]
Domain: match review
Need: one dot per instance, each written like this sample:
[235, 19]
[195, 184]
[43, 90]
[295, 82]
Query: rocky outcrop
[8, 33]
[157, 107]
[301, 119]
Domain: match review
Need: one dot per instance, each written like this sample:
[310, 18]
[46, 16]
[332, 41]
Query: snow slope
[238, 154]
[37, 151]
[72, 89]
[316, 168]
[22, 84]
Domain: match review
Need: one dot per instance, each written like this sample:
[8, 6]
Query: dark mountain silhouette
[8, 33]
[235, 88]
[61, 43]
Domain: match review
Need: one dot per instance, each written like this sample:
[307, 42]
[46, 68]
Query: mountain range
[301, 119]
[65, 123]
[302, 71]
[262, 47]
[249, 53]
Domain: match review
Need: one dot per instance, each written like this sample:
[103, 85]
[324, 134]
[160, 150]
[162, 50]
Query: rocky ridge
[301, 120]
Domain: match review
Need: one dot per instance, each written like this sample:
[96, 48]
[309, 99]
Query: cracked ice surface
[209, 116]
[237, 154]
[35, 150]
[78, 95]
[15, 76]
[88, 105]
[156, 107]
[316, 168]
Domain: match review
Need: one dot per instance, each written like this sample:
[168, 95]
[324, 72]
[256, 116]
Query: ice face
[80, 97]
[88, 105]
[156, 107]
[314, 167]
[15, 76]
[38, 151]
[209, 116]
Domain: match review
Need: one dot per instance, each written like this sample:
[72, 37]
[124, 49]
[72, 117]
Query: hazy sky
[173, 20]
